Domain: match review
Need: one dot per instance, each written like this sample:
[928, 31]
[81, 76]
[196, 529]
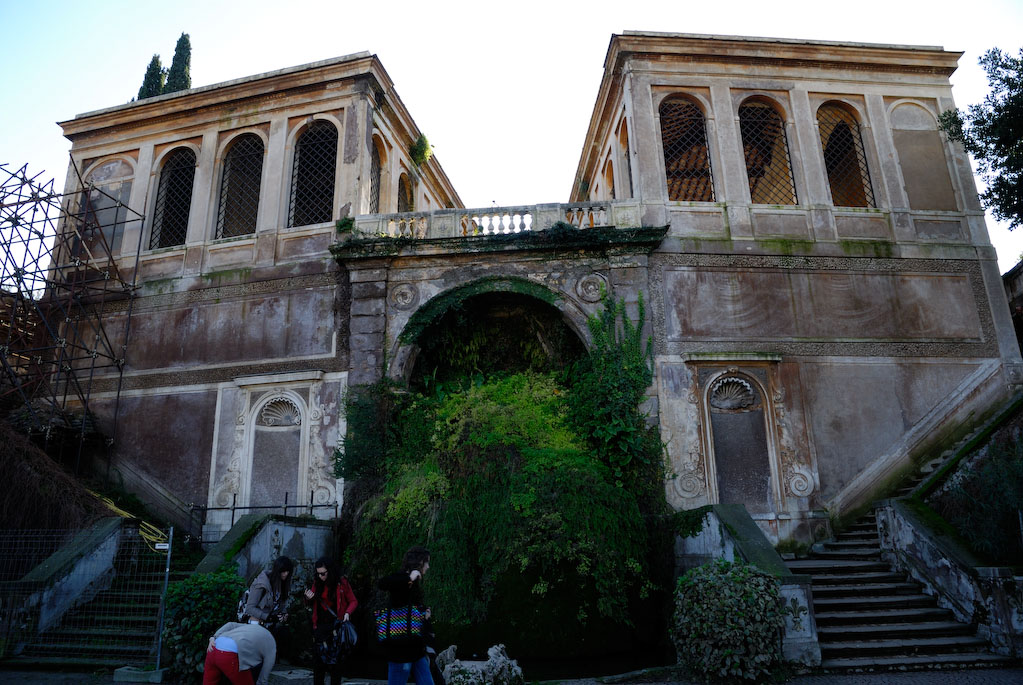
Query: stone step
[854, 579]
[880, 631]
[904, 646]
[885, 616]
[872, 602]
[861, 553]
[916, 663]
[862, 589]
[853, 545]
[865, 535]
[824, 566]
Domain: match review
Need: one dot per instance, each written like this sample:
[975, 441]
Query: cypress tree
[152, 83]
[179, 77]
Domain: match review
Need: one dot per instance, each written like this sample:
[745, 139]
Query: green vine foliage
[984, 501]
[195, 608]
[548, 533]
[608, 386]
[728, 621]
[530, 537]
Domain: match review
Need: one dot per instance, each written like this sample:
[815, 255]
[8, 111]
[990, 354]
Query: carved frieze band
[224, 292]
[660, 263]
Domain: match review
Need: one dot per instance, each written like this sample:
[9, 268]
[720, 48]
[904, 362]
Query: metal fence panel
[69, 598]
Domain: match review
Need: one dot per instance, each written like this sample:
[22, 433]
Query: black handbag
[333, 646]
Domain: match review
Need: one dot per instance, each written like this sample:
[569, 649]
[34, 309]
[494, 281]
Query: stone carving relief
[320, 470]
[590, 287]
[280, 412]
[404, 297]
[732, 393]
[691, 476]
[797, 476]
[229, 483]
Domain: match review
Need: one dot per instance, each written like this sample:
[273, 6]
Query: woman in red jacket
[332, 599]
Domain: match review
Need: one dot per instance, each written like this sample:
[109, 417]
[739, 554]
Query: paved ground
[981, 676]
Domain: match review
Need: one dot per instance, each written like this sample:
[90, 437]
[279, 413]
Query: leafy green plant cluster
[983, 503]
[195, 608]
[420, 150]
[728, 621]
[608, 385]
[529, 534]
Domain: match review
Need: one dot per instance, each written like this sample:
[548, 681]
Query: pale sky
[504, 91]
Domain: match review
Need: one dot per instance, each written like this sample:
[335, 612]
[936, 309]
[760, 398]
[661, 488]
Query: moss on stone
[433, 310]
[867, 248]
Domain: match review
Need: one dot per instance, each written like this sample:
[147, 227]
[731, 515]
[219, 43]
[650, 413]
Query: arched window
[103, 207]
[623, 141]
[312, 177]
[844, 157]
[239, 187]
[686, 157]
[609, 179]
[173, 199]
[766, 151]
[405, 201]
[374, 177]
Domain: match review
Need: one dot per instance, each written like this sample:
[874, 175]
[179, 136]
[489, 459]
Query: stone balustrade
[462, 223]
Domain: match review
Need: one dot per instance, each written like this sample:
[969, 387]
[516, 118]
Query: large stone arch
[403, 350]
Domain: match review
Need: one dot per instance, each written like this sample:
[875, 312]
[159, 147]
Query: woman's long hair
[281, 564]
[415, 557]
[332, 579]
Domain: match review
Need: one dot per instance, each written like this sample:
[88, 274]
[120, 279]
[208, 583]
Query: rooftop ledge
[790, 41]
[582, 225]
[492, 221]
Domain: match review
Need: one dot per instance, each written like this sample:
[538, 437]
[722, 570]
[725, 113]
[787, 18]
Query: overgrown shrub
[728, 621]
[530, 536]
[983, 502]
[607, 387]
[195, 608]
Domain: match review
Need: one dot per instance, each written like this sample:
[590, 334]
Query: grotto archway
[488, 326]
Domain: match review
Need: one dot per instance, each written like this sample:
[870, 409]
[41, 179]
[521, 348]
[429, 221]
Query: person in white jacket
[237, 651]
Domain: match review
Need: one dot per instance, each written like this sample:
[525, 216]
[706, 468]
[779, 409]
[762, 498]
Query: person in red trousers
[238, 651]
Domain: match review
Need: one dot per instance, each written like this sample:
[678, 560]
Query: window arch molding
[405, 192]
[224, 148]
[283, 396]
[291, 146]
[855, 183]
[155, 179]
[765, 158]
[922, 104]
[710, 384]
[689, 173]
[380, 176]
[112, 176]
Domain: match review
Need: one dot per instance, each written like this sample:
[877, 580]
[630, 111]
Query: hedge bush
[195, 608]
[728, 621]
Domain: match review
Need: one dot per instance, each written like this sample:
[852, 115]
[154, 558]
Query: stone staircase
[116, 628]
[871, 618]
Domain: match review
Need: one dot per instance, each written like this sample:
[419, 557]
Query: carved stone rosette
[691, 478]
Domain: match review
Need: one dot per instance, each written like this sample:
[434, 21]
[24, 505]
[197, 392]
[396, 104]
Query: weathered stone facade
[823, 297]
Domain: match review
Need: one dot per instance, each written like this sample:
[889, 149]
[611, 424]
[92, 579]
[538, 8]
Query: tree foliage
[179, 77]
[992, 131]
[152, 82]
[608, 385]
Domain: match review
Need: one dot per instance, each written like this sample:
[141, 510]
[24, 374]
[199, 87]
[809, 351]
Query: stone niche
[736, 434]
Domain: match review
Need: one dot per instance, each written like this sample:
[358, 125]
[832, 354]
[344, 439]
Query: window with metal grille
[766, 150]
[686, 157]
[312, 178]
[374, 179]
[239, 187]
[173, 199]
[844, 157]
[609, 179]
[405, 203]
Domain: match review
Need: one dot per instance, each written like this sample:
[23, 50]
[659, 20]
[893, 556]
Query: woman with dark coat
[405, 589]
[332, 599]
[268, 596]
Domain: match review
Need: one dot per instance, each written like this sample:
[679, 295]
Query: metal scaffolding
[65, 305]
